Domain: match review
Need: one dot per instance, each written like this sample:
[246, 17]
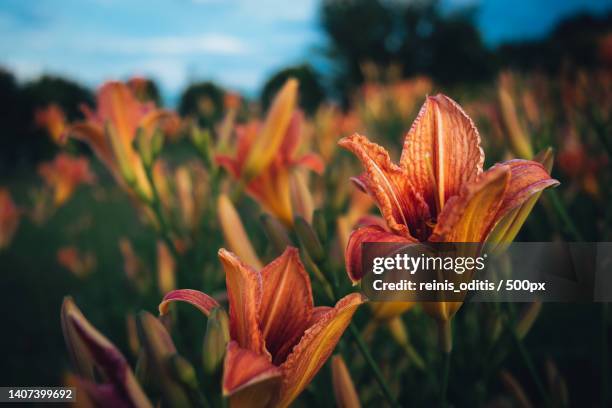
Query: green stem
[444, 382]
[604, 354]
[564, 216]
[382, 383]
[156, 206]
[530, 366]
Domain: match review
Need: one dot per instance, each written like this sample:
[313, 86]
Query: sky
[238, 43]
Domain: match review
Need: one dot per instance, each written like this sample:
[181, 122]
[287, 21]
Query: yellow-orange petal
[234, 233]
[286, 304]
[244, 293]
[470, 215]
[270, 138]
[249, 379]
[442, 140]
[117, 104]
[353, 251]
[388, 310]
[198, 299]
[389, 185]
[315, 347]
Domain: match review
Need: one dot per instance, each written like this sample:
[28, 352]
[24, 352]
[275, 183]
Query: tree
[311, 92]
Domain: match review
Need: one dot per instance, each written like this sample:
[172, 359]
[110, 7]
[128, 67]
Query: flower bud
[276, 233]
[301, 198]
[202, 141]
[159, 348]
[121, 154]
[519, 141]
[528, 317]
[166, 269]
[215, 339]
[234, 232]
[320, 224]
[344, 389]
[309, 240]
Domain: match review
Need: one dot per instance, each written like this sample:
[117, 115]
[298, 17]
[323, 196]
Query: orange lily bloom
[52, 118]
[265, 155]
[438, 192]
[80, 264]
[278, 339]
[110, 132]
[63, 175]
[9, 217]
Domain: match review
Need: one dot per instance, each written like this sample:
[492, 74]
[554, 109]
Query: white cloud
[218, 44]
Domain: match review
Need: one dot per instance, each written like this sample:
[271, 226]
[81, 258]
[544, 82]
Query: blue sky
[236, 42]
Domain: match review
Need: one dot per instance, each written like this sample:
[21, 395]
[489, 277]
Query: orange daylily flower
[53, 119]
[438, 192]
[111, 129]
[278, 339]
[266, 153]
[80, 264]
[64, 174]
[9, 217]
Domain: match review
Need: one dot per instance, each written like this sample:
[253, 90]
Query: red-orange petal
[353, 252]
[315, 347]
[286, 304]
[249, 379]
[244, 293]
[195, 298]
[527, 178]
[470, 216]
[389, 185]
[442, 140]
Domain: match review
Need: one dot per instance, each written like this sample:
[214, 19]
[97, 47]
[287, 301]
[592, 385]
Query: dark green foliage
[204, 102]
[311, 92]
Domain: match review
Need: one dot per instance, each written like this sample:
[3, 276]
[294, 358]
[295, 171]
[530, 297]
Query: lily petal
[264, 149]
[244, 292]
[117, 103]
[286, 305]
[442, 140]
[528, 181]
[389, 185]
[89, 349]
[470, 216]
[315, 347]
[249, 378]
[194, 297]
[94, 136]
[353, 252]
[527, 178]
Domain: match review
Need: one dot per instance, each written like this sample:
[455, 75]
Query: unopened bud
[234, 232]
[344, 389]
[301, 198]
[202, 141]
[276, 233]
[546, 158]
[215, 339]
[528, 318]
[182, 371]
[309, 240]
[121, 154]
[320, 224]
